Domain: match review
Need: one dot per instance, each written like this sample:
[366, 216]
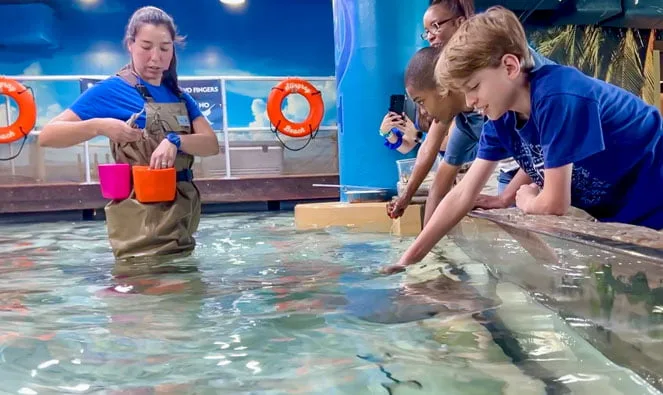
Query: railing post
[224, 126]
[86, 150]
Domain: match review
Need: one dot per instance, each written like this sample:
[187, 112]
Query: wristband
[398, 142]
[385, 134]
[174, 138]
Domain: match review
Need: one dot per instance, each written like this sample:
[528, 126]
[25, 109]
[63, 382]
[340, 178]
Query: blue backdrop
[375, 39]
[285, 37]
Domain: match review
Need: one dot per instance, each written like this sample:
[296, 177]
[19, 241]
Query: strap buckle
[185, 175]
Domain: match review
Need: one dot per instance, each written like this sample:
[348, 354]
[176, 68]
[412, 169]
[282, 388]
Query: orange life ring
[312, 96]
[27, 111]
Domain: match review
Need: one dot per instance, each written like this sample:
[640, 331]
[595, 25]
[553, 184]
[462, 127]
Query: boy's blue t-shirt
[612, 138]
[115, 98]
[464, 138]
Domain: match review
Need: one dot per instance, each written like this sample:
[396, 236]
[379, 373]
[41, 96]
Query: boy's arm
[450, 211]
[461, 148]
[426, 157]
[554, 199]
[570, 130]
[444, 180]
[508, 196]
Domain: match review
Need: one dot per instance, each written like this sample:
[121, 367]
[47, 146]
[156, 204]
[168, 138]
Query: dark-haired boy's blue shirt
[612, 138]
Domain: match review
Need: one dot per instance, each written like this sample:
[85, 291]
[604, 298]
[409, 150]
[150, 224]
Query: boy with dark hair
[421, 86]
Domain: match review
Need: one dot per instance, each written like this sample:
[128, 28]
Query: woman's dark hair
[157, 17]
[457, 8]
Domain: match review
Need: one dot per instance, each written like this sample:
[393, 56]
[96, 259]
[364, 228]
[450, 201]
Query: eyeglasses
[436, 28]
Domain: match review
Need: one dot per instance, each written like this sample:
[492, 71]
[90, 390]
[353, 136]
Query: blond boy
[602, 146]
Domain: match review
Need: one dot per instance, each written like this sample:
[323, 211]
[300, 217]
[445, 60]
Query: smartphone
[411, 110]
[401, 104]
[397, 104]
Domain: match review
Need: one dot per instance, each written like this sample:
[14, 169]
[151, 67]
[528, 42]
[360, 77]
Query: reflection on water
[612, 300]
[260, 308]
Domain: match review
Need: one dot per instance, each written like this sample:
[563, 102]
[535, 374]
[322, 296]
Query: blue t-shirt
[115, 98]
[464, 137]
[612, 138]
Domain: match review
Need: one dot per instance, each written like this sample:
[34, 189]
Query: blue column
[374, 40]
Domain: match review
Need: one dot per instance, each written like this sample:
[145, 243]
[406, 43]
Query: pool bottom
[262, 308]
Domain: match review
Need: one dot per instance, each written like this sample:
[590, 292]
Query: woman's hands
[164, 156]
[391, 121]
[118, 131]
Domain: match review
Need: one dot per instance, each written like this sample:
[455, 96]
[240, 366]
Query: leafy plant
[614, 55]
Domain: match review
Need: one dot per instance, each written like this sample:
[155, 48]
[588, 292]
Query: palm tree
[611, 54]
[651, 92]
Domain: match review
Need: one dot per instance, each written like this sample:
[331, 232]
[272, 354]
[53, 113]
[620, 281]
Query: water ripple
[257, 308]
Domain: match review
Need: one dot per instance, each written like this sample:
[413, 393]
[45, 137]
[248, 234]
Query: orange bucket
[154, 185]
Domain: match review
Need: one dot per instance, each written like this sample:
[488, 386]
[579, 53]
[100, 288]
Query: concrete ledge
[362, 217]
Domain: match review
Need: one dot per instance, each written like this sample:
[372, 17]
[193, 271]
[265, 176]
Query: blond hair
[481, 42]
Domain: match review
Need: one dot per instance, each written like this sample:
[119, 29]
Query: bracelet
[174, 138]
[385, 134]
[398, 142]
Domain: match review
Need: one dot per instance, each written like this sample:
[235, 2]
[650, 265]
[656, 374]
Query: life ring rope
[27, 114]
[307, 128]
[311, 136]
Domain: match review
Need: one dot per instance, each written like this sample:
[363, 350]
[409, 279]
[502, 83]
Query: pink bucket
[115, 180]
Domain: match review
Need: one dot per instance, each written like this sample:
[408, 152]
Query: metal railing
[225, 129]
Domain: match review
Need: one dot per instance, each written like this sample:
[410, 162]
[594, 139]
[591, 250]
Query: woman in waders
[149, 122]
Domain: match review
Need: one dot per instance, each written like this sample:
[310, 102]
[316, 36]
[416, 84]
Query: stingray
[441, 297]
[327, 289]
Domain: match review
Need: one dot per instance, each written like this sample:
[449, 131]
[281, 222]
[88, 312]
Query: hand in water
[392, 269]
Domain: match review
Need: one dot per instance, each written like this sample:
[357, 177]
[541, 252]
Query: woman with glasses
[441, 20]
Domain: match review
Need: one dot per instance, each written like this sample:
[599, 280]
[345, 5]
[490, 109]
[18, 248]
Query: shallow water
[262, 309]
